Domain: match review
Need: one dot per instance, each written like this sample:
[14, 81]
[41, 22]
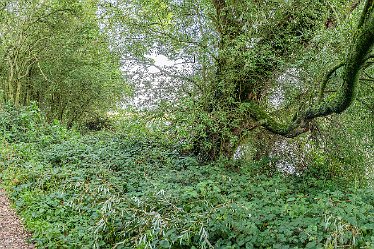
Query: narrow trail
[12, 232]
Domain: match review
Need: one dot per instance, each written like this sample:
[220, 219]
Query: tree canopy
[250, 125]
[54, 53]
[231, 61]
[235, 52]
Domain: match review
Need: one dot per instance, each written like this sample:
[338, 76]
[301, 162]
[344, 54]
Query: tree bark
[358, 52]
[244, 99]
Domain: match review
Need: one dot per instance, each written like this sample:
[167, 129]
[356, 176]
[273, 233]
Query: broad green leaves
[134, 190]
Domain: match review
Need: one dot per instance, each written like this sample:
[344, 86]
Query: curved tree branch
[365, 12]
[326, 78]
[357, 55]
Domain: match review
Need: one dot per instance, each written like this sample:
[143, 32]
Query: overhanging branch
[326, 78]
[357, 55]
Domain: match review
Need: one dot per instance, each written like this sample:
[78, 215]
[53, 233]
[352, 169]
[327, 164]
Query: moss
[357, 54]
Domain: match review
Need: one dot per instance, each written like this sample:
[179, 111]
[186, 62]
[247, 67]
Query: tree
[55, 54]
[241, 49]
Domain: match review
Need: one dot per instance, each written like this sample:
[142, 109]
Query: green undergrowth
[135, 190]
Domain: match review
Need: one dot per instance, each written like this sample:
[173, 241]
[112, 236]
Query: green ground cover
[134, 189]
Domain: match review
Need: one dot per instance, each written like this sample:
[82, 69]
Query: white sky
[162, 61]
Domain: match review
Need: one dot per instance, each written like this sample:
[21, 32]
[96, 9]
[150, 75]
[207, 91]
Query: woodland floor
[12, 232]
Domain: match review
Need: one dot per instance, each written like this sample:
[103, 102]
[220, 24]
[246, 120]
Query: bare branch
[176, 76]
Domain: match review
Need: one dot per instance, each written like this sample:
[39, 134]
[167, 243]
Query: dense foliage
[254, 131]
[133, 189]
[237, 56]
[53, 53]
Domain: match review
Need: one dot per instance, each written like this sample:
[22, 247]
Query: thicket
[53, 53]
[134, 188]
[208, 168]
[232, 58]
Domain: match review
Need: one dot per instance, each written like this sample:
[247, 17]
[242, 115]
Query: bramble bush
[136, 190]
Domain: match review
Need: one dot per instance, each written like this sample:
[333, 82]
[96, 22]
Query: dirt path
[12, 233]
